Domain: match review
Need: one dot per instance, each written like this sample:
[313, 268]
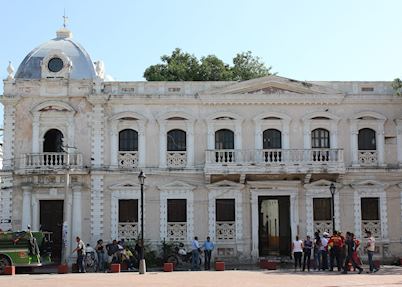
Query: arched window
[272, 139]
[176, 140]
[128, 140]
[53, 141]
[320, 138]
[224, 139]
[366, 139]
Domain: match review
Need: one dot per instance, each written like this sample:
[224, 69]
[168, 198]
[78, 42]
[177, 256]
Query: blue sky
[304, 40]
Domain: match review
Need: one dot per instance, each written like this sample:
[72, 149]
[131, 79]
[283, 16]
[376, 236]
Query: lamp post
[142, 267]
[332, 189]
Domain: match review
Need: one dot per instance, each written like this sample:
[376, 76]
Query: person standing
[80, 254]
[370, 247]
[335, 245]
[317, 250]
[100, 252]
[208, 247]
[297, 251]
[195, 255]
[324, 251]
[307, 247]
[350, 248]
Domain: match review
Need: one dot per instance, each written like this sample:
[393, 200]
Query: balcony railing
[225, 230]
[323, 226]
[274, 156]
[368, 157]
[51, 160]
[176, 159]
[176, 231]
[128, 159]
[128, 230]
[374, 226]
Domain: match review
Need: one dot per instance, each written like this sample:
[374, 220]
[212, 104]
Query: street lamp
[332, 189]
[142, 267]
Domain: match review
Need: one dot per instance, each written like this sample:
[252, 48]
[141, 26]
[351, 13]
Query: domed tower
[60, 57]
[47, 139]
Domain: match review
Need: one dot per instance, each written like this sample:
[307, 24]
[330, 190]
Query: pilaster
[26, 206]
[96, 207]
[97, 145]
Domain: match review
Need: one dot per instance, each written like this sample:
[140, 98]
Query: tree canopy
[181, 66]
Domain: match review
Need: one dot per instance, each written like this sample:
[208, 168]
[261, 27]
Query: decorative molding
[98, 135]
[229, 190]
[123, 192]
[320, 189]
[370, 188]
[176, 190]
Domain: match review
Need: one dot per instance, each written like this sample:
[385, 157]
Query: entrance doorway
[274, 234]
[51, 220]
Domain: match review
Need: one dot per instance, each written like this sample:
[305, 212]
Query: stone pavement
[387, 276]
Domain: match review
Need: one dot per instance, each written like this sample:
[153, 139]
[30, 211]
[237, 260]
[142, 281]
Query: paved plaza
[387, 276]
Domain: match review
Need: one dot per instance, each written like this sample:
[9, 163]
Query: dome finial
[64, 32]
[65, 19]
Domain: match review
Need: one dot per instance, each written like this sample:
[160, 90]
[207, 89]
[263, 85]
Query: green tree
[246, 67]
[181, 66]
[177, 67]
[214, 69]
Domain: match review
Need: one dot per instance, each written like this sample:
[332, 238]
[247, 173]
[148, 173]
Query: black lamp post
[142, 266]
[332, 189]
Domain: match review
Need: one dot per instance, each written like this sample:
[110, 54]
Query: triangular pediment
[320, 184]
[274, 85]
[225, 184]
[369, 184]
[125, 185]
[176, 185]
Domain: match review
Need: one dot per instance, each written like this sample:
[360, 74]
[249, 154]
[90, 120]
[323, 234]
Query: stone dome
[79, 64]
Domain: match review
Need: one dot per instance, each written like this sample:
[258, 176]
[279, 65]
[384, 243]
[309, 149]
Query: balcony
[51, 160]
[274, 161]
[128, 230]
[128, 159]
[176, 159]
[225, 230]
[374, 226]
[368, 158]
[177, 231]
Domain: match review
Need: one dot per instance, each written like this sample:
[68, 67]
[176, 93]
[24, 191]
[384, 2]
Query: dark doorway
[53, 141]
[274, 234]
[51, 220]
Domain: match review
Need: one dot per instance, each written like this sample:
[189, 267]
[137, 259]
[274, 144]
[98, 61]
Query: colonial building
[248, 163]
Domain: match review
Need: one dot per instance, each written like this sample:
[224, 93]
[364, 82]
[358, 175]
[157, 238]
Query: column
[8, 145]
[162, 144]
[306, 135]
[190, 144]
[238, 136]
[399, 141]
[141, 145]
[35, 133]
[76, 215]
[258, 142]
[70, 132]
[26, 206]
[254, 226]
[380, 143]
[354, 149]
[334, 134]
[97, 130]
[35, 212]
[114, 145]
[285, 134]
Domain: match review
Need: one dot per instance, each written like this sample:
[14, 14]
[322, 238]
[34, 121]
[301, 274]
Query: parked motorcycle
[180, 256]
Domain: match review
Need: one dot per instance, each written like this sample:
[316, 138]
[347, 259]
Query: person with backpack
[335, 248]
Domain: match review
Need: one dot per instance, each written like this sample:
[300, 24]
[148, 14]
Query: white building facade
[248, 163]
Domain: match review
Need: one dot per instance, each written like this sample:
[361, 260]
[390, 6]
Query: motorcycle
[181, 256]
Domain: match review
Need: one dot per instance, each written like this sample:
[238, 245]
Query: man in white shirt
[195, 255]
[370, 251]
[80, 254]
[324, 250]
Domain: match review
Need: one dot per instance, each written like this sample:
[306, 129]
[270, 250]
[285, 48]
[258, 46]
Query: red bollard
[62, 269]
[115, 268]
[168, 267]
[220, 266]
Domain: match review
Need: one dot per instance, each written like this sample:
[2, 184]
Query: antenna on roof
[65, 19]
